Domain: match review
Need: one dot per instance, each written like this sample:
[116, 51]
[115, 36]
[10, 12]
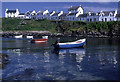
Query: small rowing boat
[75, 44]
[29, 37]
[44, 39]
[39, 40]
[19, 36]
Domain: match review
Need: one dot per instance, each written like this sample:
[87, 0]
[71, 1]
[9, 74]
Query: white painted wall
[11, 15]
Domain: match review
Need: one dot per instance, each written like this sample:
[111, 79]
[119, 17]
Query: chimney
[6, 9]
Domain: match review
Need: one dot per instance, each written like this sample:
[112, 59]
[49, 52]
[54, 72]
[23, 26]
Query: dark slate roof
[51, 12]
[41, 12]
[22, 14]
[107, 12]
[72, 14]
[118, 15]
[64, 14]
[11, 11]
[28, 12]
[83, 15]
[55, 14]
[73, 8]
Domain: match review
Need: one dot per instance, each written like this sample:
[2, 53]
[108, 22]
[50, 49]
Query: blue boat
[75, 44]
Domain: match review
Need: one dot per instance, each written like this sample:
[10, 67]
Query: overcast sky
[59, 0]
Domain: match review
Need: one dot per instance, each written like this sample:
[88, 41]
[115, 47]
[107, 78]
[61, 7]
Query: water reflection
[31, 61]
[40, 44]
[46, 56]
[73, 55]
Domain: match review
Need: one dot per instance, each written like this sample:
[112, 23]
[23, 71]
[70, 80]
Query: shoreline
[48, 33]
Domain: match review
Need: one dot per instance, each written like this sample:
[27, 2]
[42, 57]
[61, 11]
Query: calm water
[100, 60]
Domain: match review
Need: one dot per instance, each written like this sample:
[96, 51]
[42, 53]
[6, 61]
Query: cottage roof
[118, 15]
[11, 11]
[106, 13]
[74, 8]
[22, 14]
[40, 12]
[69, 14]
[55, 14]
[64, 14]
[28, 12]
[51, 12]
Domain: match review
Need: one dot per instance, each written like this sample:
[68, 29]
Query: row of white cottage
[74, 14]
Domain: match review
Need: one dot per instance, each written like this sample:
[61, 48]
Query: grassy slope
[14, 24]
[63, 26]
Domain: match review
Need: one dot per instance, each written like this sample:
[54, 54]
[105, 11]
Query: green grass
[13, 24]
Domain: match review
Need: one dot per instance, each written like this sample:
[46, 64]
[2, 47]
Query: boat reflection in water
[74, 55]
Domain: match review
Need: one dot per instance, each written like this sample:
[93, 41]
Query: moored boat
[75, 44]
[44, 39]
[19, 36]
[29, 37]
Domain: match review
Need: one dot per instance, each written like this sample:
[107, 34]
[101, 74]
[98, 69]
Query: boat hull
[76, 44]
[39, 40]
[72, 46]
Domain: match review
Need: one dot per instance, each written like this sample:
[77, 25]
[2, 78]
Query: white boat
[19, 36]
[29, 37]
[75, 44]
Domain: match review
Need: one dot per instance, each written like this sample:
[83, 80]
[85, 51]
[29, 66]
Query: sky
[58, 6]
[60, 0]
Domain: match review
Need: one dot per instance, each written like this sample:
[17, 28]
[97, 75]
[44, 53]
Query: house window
[102, 14]
[80, 19]
[105, 19]
[87, 19]
[110, 19]
[90, 20]
[102, 20]
[67, 18]
[73, 18]
[110, 14]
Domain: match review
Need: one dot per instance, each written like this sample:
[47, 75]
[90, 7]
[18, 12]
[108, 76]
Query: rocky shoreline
[41, 33]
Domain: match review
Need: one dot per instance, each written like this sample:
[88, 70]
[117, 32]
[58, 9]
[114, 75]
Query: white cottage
[76, 9]
[46, 14]
[56, 16]
[92, 17]
[42, 15]
[74, 12]
[39, 15]
[33, 15]
[107, 16]
[30, 15]
[11, 13]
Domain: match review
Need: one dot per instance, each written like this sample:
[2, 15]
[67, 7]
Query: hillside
[13, 24]
[70, 27]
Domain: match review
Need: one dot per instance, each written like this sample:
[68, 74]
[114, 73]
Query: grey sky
[60, 0]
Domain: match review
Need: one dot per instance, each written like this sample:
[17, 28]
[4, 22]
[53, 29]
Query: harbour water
[99, 60]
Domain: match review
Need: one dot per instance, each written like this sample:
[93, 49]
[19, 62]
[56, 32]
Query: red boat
[39, 40]
[44, 39]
